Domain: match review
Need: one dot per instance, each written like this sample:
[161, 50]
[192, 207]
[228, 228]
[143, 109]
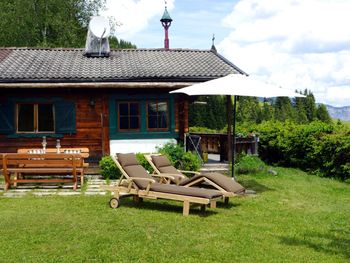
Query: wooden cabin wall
[91, 122]
[181, 116]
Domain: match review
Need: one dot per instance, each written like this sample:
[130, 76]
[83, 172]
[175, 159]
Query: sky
[296, 44]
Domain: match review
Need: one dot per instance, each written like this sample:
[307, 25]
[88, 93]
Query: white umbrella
[237, 85]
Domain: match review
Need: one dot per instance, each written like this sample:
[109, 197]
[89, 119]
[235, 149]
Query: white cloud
[133, 15]
[296, 43]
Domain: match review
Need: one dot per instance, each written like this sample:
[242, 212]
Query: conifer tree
[248, 110]
[283, 109]
[322, 114]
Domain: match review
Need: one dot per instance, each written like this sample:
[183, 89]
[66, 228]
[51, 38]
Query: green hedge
[320, 148]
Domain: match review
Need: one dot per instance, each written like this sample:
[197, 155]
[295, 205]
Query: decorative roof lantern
[166, 22]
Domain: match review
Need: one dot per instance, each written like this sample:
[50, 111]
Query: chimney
[166, 22]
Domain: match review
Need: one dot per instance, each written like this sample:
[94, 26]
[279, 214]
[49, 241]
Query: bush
[179, 158]
[317, 147]
[249, 164]
[142, 160]
[109, 169]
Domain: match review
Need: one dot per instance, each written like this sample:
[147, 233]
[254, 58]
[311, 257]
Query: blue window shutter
[7, 117]
[65, 117]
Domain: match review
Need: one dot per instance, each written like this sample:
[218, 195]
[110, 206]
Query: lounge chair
[140, 184]
[169, 174]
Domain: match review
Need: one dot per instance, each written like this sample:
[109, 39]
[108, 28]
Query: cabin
[119, 103]
[110, 101]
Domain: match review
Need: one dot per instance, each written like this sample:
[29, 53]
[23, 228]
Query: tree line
[50, 23]
[210, 111]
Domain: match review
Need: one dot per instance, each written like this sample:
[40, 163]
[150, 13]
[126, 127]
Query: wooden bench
[18, 164]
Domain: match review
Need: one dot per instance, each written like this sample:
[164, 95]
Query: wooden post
[186, 208]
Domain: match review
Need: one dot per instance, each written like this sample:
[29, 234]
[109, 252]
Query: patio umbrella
[237, 85]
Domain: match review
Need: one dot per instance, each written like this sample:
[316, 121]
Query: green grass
[293, 218]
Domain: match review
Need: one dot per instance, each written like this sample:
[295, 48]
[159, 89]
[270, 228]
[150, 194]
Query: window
[157, 115]
[35, 118]
[129, 116]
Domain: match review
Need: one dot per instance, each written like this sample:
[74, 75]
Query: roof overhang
[98, 85]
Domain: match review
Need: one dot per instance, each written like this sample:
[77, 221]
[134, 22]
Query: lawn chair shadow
[165, 207]
[257, 187]
[335, 244]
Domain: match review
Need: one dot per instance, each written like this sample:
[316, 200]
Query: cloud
[297, 44]
[134, 15]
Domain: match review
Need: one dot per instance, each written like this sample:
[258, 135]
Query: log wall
[91, 122]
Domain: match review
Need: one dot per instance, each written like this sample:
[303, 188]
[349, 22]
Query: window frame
[167, 116]
[129, 116]
[35, 119]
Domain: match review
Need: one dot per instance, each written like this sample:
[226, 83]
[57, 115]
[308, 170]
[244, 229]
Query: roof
[23, 65]
[166, 17]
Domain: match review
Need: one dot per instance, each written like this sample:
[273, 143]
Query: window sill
[34, 135]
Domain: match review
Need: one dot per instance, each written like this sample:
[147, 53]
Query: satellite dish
[99, 27]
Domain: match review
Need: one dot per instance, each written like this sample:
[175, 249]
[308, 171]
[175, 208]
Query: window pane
[45, 117]
[152, 108]
[163, 120]
[134, 109]
[124, 123]
[152, 122]
[162, 107]
[123, 109]
[26, 118]
[134, 122]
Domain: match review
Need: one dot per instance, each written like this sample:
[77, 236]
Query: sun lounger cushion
[164, 165]
[127, 159]
[221, 180]
[182, 190]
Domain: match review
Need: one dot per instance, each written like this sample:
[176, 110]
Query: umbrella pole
[233, 146]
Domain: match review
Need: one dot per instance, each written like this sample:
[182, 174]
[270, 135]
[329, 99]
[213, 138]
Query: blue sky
[297, 44]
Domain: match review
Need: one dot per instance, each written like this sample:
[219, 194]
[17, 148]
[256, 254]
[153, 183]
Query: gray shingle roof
[70, 65]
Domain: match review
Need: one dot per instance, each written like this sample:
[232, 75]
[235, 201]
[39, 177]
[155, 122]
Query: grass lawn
[293, 218]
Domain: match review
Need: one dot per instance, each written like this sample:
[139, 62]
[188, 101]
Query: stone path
[91, 187]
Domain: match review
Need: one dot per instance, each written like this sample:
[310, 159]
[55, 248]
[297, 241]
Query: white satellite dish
[99, 26]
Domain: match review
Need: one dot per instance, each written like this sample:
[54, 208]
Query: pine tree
[248, 110]
[300, 111]
[310, 105]
[267, 112]
[283, 109]
[322, 114]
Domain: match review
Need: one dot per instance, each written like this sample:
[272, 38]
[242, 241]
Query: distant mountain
[341, 113]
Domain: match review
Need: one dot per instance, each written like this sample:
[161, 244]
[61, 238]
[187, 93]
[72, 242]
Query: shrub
[109, 169]
[142, 160]
[179, 158]
[249, 164]
[317, 147]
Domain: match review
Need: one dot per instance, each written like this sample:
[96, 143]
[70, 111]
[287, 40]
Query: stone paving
[91, 187]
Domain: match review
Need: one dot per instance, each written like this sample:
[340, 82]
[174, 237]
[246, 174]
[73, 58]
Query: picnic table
[30, 165]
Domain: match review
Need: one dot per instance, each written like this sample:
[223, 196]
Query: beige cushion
[160, 161]
[187, 191]
[169, 170]
[126, 159]
[137, 171]
[221, 180]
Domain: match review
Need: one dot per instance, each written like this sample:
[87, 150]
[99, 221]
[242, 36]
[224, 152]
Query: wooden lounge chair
[140, 184]
[163, 168]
